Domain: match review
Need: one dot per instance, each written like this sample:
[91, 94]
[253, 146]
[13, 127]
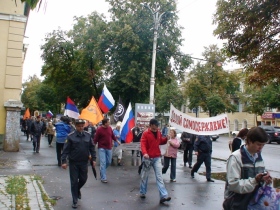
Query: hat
[79, 121]
[154, 122]
[38, 116]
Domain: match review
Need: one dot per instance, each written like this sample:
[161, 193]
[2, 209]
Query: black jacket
[37, 128]
[187, 139]
[78, 147]
[203, 144]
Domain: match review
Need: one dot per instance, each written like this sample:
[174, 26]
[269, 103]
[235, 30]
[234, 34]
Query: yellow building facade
[13, 19]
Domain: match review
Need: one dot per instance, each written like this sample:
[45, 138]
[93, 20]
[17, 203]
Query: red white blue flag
[71, 110]
[106, 100]
[49, 114]
[127, 124]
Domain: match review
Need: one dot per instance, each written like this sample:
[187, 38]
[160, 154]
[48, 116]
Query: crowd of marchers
[78, 140]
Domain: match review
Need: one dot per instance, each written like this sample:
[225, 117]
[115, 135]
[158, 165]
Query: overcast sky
[195, 16]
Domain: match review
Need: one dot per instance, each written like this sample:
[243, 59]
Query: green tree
[257, 99]
[130, 35]
[251, 29]
[166, 94]
[29, 96]
[74, 61]
[32, 3]
[209, 86]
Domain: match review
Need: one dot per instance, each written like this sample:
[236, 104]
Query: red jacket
[150, 144]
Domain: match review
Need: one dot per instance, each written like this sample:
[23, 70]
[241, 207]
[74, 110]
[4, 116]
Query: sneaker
[172, 180]
[165, 199]
[74, 205]
[142, 196]
[192, 174]
[120, 164]
[190, 166]
[104, 181]
[210, 180]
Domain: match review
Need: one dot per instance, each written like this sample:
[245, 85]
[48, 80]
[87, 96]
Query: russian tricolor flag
[49, 114]
[106, 100]
[71, 110]
[127, 124]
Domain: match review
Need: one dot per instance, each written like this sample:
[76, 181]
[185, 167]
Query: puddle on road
[222, 176]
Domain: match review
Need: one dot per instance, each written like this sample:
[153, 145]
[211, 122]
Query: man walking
[203, 150]
[103, 137]
[187, 145]
[150, 141]
[37, 130]
[77, 148]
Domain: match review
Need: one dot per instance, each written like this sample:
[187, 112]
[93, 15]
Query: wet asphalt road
[122, 190]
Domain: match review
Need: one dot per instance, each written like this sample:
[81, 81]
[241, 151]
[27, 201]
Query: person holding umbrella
[77, 148]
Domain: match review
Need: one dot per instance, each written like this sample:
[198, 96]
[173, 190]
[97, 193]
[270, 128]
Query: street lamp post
[157, 18]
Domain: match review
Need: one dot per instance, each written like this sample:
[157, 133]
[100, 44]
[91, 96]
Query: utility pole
[157, 18]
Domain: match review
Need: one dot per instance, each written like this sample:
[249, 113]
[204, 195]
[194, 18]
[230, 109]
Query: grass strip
[16, 186]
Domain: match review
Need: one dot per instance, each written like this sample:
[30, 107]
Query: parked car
[214, 137]
[234, 133]
[273, 133]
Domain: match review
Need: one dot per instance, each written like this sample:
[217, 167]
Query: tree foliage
[251, 29]
[29, 96]
[74, 60]
[209, 86]
[257, 99]
[117, 52]
[130, 53]
[166, 94]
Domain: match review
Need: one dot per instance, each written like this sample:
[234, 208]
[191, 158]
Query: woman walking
[50, 132]
[171, 155]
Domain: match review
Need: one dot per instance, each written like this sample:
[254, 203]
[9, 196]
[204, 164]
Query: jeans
[36, 142]
[50, 138]
[105, 158]
[156, 164]
[167, 160]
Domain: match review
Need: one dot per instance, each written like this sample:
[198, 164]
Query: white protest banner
[200, 126]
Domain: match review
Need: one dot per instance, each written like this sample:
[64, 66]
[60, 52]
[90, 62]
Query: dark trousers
[78, 177]
[206, 158]
[59, 148]
[50, 138]
[188, 153]
[36, 142]
[28, 134]
[138, 152]
[166, 162]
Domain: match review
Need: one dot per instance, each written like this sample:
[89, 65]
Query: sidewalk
[122, 190]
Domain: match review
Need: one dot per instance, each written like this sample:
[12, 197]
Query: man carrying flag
[106, 100]
[71, 110]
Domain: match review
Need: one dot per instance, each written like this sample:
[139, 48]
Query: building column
[12, 131]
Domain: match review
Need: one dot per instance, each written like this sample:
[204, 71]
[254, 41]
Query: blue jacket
[62, 131]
